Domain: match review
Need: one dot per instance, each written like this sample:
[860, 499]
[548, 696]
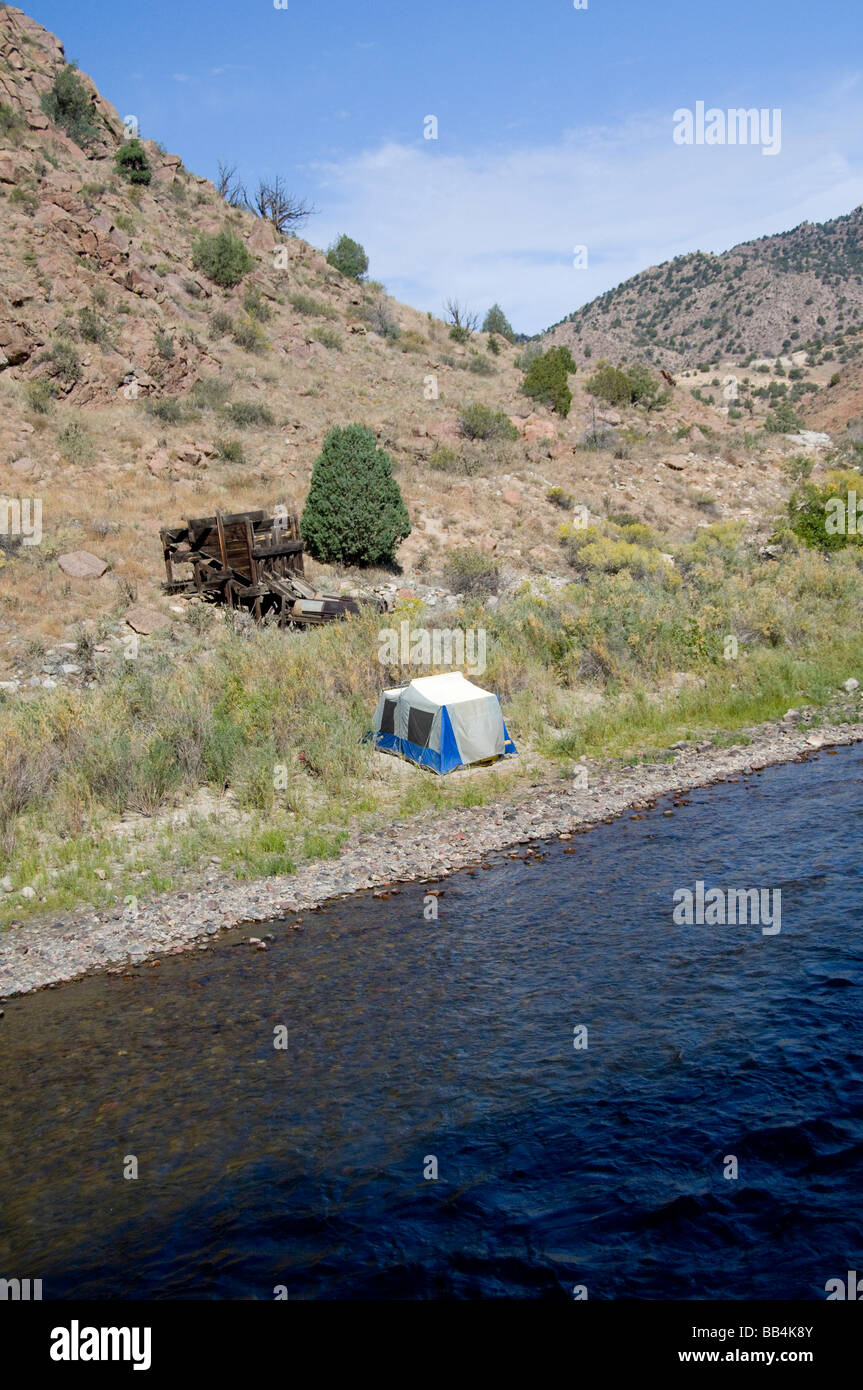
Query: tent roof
[449, 689]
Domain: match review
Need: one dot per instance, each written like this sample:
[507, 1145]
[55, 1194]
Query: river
[431, 1125]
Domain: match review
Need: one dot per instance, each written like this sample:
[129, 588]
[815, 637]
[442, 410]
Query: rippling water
[410, 1038]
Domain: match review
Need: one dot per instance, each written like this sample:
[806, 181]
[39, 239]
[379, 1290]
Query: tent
[441, 722]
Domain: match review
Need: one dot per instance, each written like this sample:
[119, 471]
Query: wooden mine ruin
[254, 561]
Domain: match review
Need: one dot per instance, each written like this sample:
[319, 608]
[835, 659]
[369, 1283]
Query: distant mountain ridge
[801, 289]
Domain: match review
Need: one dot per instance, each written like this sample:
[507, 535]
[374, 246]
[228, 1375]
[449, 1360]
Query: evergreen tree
[354, 512]
[496, 321]
[546, 379]
[348, 257]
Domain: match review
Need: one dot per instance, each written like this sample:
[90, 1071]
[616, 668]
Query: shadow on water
[410, 1039]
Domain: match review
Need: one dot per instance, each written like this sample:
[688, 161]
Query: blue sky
[555, 125]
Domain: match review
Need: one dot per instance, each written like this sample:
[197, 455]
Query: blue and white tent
[441, 722]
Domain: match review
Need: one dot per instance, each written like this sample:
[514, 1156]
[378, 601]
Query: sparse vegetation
[248, 414]
[231, 450]
[328, 337]
[312, 307]
[220, 324]
[167, 409]
[223, 258]
[39, 396]
[165, 345]
[469, 571]
[76, 443]
[68, 105]
[480, 421]
[249, 335]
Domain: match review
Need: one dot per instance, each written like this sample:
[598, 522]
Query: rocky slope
[801, 289]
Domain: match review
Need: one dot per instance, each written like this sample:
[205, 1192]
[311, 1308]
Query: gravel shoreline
[38, 955]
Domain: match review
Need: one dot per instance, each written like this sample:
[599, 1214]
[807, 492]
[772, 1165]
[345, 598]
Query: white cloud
[501, 224]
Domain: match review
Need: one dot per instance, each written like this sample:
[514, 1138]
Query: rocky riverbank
[38, 954]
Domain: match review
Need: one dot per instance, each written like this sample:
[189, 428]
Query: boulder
[159, 462]
[146, 620]
[80, 564]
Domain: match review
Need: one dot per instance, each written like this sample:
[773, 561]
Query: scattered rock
[146, 620]
[851, 684]
[80, 564]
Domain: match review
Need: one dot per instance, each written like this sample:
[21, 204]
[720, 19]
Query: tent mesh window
[420, 726]
[388, 717]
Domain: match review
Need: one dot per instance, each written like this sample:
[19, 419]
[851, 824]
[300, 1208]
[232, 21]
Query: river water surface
[411, 1040]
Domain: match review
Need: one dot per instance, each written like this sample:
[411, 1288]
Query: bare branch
[276, 205]
[230, 187]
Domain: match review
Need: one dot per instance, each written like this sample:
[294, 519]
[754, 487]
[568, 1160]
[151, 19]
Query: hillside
[135, 391]
[798, 290]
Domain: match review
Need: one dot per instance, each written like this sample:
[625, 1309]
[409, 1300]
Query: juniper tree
[354, 511]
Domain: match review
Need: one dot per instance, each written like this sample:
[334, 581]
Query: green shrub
[588, 550]
[826, 517]
[169, 410]
[493, 346]
[68, 105]
[165, 345]
[783, 420]
[25, 199]
[39, 396]
[480, 366]
[245, 414]
[231, 450]
[220, 324]
[546, 379]
[559, 498]
[132, 164]
[76, 443]
[496, 321]
[328, 337]
[383, 321]
[12, 124]
[64, 362]
[354, 511]
[616, 386]
[256, 306]
[223, 258]
[459, 333]
[445, 459]
[348, 257]
[479, 421]
[248, 335]
[314, 308]
[468, 571]
[210, 392]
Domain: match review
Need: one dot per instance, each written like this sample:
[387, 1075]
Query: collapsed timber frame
[254, 561]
